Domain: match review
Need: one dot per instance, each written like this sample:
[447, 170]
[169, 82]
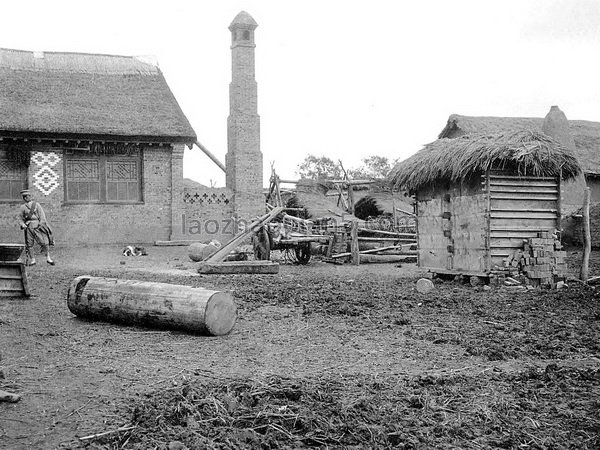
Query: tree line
[322, 167]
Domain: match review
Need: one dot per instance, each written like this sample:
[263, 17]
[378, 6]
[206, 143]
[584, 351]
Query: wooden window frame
[103, 161]
[19, 184]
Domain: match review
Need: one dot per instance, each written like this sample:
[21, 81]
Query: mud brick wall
[577, 238]
[79, 223]
[208, 214]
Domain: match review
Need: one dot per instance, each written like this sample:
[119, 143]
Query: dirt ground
[325, 356]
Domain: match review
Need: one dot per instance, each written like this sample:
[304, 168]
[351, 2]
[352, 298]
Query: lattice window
[103, 178]
[82, 180]
[13, 178]
[122, 181]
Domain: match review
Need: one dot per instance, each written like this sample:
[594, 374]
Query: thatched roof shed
[88, 96]
[585, 133]
[527, 153]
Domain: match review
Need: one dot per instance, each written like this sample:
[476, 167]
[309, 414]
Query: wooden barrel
[158, 305]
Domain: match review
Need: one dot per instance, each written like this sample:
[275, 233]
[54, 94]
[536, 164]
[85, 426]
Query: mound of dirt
[496, 410]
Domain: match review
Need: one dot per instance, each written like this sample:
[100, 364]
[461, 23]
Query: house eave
[62, 136]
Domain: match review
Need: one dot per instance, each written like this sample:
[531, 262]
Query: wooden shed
[479, 199]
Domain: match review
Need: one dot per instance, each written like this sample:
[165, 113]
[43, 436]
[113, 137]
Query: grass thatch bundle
[367, 207]
[525, 153]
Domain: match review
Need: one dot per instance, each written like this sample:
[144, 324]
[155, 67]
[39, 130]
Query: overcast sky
[341, 78]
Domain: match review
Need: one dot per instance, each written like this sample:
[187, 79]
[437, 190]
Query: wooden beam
[406, 212]
[516, 177]
[374, 239]
[211, 156]
[525, 197]
[388, 233]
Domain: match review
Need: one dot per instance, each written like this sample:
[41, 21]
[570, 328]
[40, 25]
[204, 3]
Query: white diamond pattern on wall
[46, 178]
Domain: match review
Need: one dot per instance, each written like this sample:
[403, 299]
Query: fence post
[354, 249]
[587, 237]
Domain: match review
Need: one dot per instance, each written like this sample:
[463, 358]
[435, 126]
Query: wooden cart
[291, 235]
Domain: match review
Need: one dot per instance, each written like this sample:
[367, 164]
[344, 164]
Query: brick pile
[541, 262]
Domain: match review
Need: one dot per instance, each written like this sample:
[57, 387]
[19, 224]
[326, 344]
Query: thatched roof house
[524, 153]
[99, 139]
[585, 133]
[479, 196]
[87, 96]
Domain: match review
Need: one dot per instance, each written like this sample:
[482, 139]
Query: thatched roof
[88, 96]
[454, 160]
[585, 133]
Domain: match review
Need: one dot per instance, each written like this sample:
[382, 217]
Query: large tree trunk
[158, 305]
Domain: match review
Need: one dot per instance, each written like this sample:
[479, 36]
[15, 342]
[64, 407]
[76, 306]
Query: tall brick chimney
[244, 161]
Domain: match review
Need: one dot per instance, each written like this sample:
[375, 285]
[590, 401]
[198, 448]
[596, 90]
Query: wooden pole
[213, 158]
[587, 238]
[354, 248]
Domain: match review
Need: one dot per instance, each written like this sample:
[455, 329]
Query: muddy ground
[324, 356]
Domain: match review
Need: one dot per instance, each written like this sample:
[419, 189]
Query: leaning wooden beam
[211, 156]
[406, 212]
[220, 255]
[373, 250]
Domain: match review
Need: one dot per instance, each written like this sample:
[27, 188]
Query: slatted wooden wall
[519, 208]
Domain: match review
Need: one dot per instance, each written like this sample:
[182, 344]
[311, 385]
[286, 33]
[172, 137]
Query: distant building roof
[585, 133]
[89, 96]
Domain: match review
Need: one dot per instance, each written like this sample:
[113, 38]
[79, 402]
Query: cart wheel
[303, 253]
[261, 244]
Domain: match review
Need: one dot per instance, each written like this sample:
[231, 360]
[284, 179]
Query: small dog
[130, 250]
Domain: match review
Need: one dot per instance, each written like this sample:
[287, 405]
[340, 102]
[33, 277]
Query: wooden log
[152, 304]
[238, 267]
[383, 259]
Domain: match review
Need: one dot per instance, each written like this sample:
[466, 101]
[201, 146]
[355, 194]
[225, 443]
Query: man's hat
[25, 192]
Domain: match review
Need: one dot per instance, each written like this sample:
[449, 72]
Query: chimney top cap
[243, 20]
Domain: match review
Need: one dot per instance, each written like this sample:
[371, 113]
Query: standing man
[36, 229]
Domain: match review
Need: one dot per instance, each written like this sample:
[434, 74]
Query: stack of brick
[541, 262]
[544, 261]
